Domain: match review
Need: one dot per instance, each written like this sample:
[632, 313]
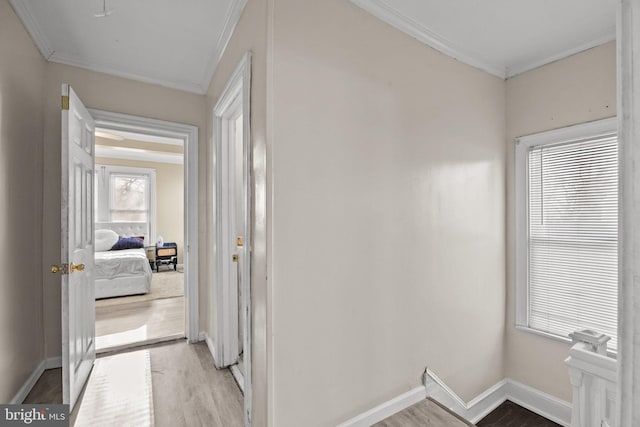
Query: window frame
[104, 197]
[522, 145]
[147, 196]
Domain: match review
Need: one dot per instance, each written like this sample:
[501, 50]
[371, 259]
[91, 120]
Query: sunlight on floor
[121, 338]
[147, 321]
[119, 392]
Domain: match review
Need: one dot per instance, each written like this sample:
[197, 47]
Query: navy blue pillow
[128, 243]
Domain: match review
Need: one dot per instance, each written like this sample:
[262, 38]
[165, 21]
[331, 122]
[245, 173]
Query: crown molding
[23, 10]
[64, 59]
[393, 17]
[520, 69]
[381, 10]
[233, 17]
[109, 152]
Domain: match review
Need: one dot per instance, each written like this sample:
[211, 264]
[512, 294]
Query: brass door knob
[78, 267]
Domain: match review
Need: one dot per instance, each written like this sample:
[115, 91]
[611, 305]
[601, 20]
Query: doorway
[173, 258]
[139, 249]
[233, 234]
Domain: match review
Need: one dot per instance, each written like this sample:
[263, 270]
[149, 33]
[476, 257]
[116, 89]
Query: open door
[233, 228]
[77, 268]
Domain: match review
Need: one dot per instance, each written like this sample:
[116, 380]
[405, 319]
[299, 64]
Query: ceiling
[120, 135]
[179, 43]
[503, 37]
[116, 144]
[167, 42]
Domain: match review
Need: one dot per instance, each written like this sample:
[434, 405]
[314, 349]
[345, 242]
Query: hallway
[186, 389]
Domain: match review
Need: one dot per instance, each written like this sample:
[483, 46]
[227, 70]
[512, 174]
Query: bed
[122, 272]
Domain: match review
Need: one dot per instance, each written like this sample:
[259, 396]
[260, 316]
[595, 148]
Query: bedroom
[139, 222]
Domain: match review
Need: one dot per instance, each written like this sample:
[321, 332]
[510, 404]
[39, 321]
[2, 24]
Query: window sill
[544, 334]
[555, 337]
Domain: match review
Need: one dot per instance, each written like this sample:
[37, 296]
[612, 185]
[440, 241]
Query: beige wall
[578, 89]
[250, 35]
[388, 216]
[115, 94]
[21, 108]
[169, 198]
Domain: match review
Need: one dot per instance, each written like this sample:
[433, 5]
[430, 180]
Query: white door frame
[237, 94]
[628, 48]
[189, 135]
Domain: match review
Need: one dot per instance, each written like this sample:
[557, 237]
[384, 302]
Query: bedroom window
[129, 197]
[124, 194]
[567, 231]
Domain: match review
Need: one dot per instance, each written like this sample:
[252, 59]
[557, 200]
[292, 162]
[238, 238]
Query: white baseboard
[477, 408]
[474, 410]
[203, 336]
[53, 362]
[238, 376]
[387, 409]
[540, 402]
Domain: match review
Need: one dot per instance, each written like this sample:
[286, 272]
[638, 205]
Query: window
[124, 194]
[567, 230]
[129, 197]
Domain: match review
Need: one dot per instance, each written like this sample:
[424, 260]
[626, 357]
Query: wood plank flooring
[48, 388]
[118, 325]
[426, 413]
[510, 414]
[187, 389]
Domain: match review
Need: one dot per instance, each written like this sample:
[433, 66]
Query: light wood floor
[118, 325]
[187, 389]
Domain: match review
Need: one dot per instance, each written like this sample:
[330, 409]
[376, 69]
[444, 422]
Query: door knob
[78, 267]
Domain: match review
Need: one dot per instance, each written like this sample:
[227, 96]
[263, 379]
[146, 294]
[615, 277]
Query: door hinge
[65, 102]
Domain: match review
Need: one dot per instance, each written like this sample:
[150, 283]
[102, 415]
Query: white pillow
[105, 239]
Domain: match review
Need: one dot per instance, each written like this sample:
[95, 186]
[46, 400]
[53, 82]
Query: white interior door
[237, 181]
[233, 227]
[228, 259]
[78, 304]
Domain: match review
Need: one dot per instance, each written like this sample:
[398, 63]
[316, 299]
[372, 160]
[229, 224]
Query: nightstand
[167, 254]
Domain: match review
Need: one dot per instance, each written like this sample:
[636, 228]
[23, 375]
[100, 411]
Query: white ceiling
[503, 37]
[179, 43]
[126, 153]
[132, 136]
[168, 42]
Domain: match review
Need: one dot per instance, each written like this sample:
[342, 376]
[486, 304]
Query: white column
[628, 41]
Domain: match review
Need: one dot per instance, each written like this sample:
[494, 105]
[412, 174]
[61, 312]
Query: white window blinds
[573, 236]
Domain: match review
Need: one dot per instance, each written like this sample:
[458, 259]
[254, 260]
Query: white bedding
[119, 273]
[128, 262]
